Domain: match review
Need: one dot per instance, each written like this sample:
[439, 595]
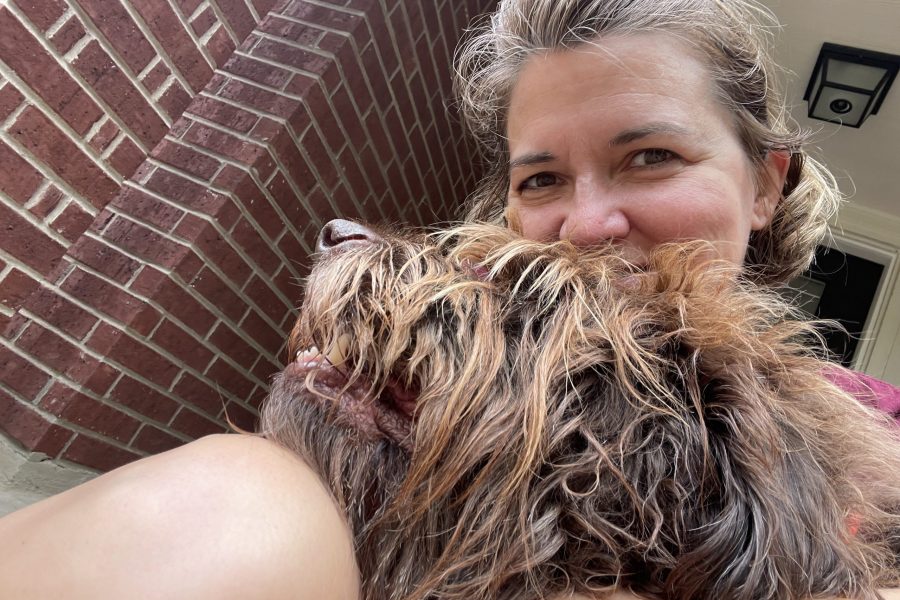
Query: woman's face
[624, 141]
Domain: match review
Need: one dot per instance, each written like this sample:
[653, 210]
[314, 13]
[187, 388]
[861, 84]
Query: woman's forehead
[623, 82]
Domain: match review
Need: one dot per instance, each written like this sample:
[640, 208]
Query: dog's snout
[339, 232]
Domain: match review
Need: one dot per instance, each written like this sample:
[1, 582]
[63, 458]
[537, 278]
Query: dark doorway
[842, 287]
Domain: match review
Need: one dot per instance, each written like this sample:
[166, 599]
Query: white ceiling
[865, 159]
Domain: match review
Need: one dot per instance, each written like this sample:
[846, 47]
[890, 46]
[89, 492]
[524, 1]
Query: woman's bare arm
[224, 517]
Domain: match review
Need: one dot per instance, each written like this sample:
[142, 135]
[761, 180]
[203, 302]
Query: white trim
[875, 236]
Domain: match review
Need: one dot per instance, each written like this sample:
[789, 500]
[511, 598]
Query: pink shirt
[868, 390]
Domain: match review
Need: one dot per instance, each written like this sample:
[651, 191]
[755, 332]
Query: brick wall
[164, 169]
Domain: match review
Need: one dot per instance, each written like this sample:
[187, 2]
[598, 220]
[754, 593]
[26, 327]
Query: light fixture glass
[849, 84]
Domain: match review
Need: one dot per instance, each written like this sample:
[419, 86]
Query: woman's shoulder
[227, 516]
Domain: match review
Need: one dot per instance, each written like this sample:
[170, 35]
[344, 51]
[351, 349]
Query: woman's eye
[652, 157]
[537, 181]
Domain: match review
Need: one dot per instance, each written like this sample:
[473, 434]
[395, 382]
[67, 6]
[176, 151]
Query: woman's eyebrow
[532, 158]
[631, 135]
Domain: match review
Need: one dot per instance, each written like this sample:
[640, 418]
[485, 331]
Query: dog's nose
[339, 232]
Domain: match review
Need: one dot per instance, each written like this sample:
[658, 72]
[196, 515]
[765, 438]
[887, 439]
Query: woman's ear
[772, 182]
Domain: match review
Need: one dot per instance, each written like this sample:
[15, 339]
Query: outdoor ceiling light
[849, 84]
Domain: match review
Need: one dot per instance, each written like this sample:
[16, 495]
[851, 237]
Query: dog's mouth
[386, 412]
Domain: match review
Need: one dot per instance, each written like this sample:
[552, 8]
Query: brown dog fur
[580, 425]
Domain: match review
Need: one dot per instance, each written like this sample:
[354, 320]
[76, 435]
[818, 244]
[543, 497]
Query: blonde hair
[733, 37]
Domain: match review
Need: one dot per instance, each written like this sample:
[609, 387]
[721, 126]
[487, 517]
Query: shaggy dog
[506, 419]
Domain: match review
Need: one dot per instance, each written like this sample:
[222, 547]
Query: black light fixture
[849, 84]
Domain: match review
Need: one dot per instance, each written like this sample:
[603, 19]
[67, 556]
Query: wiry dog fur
[580, 425]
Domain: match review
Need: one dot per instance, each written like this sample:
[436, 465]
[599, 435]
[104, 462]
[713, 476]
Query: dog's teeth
[337, 354]
[310, 352]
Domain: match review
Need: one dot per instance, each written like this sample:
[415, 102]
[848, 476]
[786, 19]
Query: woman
[630, 122]
[636, 122]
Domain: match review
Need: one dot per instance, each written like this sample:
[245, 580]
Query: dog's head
[502, 418]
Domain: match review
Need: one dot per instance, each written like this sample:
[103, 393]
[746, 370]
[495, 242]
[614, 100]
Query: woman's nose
[595, 218]
[339, 233]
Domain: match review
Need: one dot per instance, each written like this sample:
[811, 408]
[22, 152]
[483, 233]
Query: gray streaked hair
[734, 38]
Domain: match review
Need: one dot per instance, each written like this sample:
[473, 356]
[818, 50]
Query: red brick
[153, 441]
[226, 115]
[67, 35]
[133, 354]
[198, 394]
[291, 56]
[170, 33]
[31, 429]
[147, 209]
[238, 416]
[28, 243]
[40, 136]
[146, 244]
[116, 89]
[61, 313]
[43, 13]
[331, 19]
[24, 55]
[18, 179]
[143, 399]
[193, 195]
[145, 320]
[266, 299]
[233, 345]
[263, 6]
[188, 268]
[287, 283]
[257, 247]
[186, 159]
[20, 375]
[102, 296]
[117, 26]
[126, 157]
[107, 133]
[230, 379]
[96, 454]
[320, 157]
[195, 425]
[298, 33]
[263, 370]
[220, 46]
[10, 326]
[259, 99]
[353, 175]
[211, 286]
[202, 22]
[100, 380]
[105, 259]
[263, 333]
[86, 412]
[284, 195]
[238, 16]
[227, 145]
[188, 7]
[182, 345]
[15, 288]
[53, 351]
[72, 222]
[258, 71]
[214, 248]
[174, 100]
[183, 306]
[156, 76]
[10, 99]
